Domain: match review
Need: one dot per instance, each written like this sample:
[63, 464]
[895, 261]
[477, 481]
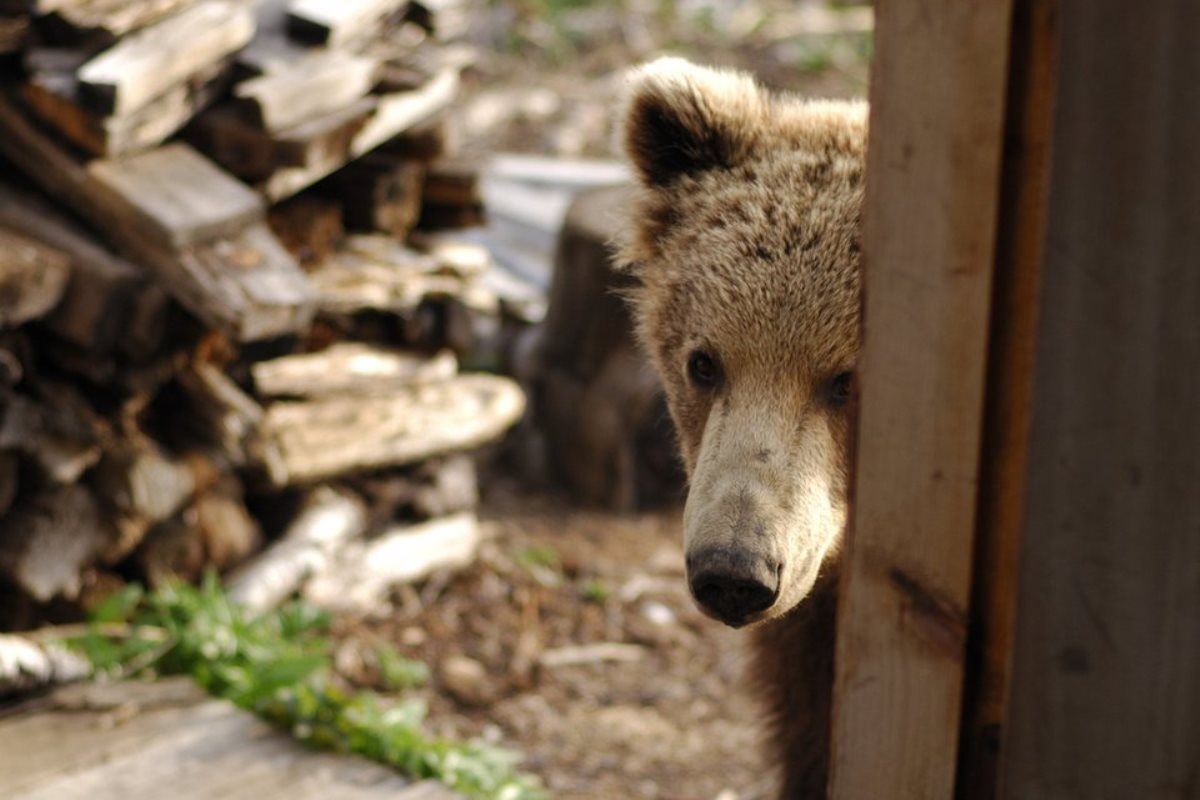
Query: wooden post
[1106, 678]
[937, 94]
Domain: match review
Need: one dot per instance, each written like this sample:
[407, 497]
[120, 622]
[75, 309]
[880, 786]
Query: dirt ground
[658, 711]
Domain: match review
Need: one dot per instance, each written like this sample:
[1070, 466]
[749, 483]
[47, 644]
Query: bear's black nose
[733, 586]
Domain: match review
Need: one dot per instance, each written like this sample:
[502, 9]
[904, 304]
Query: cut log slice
[321, 439]
[349, 369]
[33, 278]
[146, 64]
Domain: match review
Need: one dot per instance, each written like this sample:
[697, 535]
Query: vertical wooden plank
[1106, 677]
[937, 105]
[1019, 256]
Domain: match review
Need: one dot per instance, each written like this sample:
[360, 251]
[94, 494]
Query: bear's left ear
[681, 119]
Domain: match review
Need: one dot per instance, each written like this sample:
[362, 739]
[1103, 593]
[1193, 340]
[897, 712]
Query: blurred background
[315, 388]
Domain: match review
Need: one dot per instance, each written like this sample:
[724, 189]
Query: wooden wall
[1106, 681]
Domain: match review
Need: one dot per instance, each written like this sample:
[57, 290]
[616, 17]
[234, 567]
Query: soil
[668, 717]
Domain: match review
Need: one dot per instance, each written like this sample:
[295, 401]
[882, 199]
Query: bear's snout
[733, 586]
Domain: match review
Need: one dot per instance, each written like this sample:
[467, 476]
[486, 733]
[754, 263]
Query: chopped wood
[56, 429]
[415, 423]
[349, 368]
[54, 97]
[27, 664]
[180, 197]
[336, 22]
[329, 519]
[308, 225]
[48, 540]
[171, 551]
[109, 304]
[576, 655]
[227, 531]
[33, 278]
[14, 31]
[364, 572]
[316, 85]
[145, 64]
[10, 480]
[349, 283]
[108, 19]
[393, 113]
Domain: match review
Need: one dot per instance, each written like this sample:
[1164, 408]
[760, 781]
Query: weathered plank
[393, 114]
[1105, 696]
[179, 197]
[71, 747]
[336, 22]
[411, 425]
[314, 86]
[54, 97]
[108, 20]
[349, 368]
[937, 101]
[33, 278]
[1019, 256]
[145, 64]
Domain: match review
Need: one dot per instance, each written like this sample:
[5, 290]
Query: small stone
[466, 680]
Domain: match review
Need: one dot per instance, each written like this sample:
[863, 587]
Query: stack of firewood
[231, 315]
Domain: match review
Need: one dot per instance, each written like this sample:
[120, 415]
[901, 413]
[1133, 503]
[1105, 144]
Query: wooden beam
[1106, 678]
[316, 85]
[1019, 256]
[336, 22]
[937, 111]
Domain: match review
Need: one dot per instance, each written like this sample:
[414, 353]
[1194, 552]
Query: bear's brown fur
[745, 242]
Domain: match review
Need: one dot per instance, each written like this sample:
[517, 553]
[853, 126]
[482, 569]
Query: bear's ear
[681, 119]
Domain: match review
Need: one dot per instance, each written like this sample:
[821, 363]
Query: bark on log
[414, 424]
[329, 519]
[364, 572]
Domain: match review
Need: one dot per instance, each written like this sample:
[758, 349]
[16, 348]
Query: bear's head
[744, 240]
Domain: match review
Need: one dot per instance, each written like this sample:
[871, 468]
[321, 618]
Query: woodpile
[232, 319]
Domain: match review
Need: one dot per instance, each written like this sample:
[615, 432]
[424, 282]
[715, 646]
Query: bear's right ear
[681, 119]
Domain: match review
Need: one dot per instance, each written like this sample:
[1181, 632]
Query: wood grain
[937, 100]
[1106, 678]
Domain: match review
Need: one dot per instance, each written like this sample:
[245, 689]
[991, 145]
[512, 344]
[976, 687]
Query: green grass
[278, 665]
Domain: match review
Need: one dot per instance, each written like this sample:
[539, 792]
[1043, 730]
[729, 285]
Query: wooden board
[143, 65]
[349, 368]
[180, 197]
[126, 741]
[310, 442]
[1019, 255]
[335, 22]
[54, 96]
[1106, 678]
[937, 100]
[314, 86]
[107, 19]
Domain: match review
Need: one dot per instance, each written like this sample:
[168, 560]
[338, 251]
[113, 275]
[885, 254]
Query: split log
[27, 664]
[314, 86]
[349, 369]
[415, 423]
[106, 20]
[146, 64]
[109, 304]
[54, 97]
[57, 430]
[227, 531]
[309, 226]
[247, 286]
[49, 539]
[33, 278]
[336, 22]
[329, 519]
[222, 415]
[364, 572]
[452, 196]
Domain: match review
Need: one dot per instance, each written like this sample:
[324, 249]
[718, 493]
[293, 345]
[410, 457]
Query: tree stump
[599, 403]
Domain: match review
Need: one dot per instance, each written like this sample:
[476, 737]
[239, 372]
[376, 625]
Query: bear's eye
[703, 370]
[840, 388]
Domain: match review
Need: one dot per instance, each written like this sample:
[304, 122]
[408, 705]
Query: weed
[278, 666]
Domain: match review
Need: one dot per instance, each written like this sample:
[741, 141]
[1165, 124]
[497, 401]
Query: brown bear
[744, 239]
